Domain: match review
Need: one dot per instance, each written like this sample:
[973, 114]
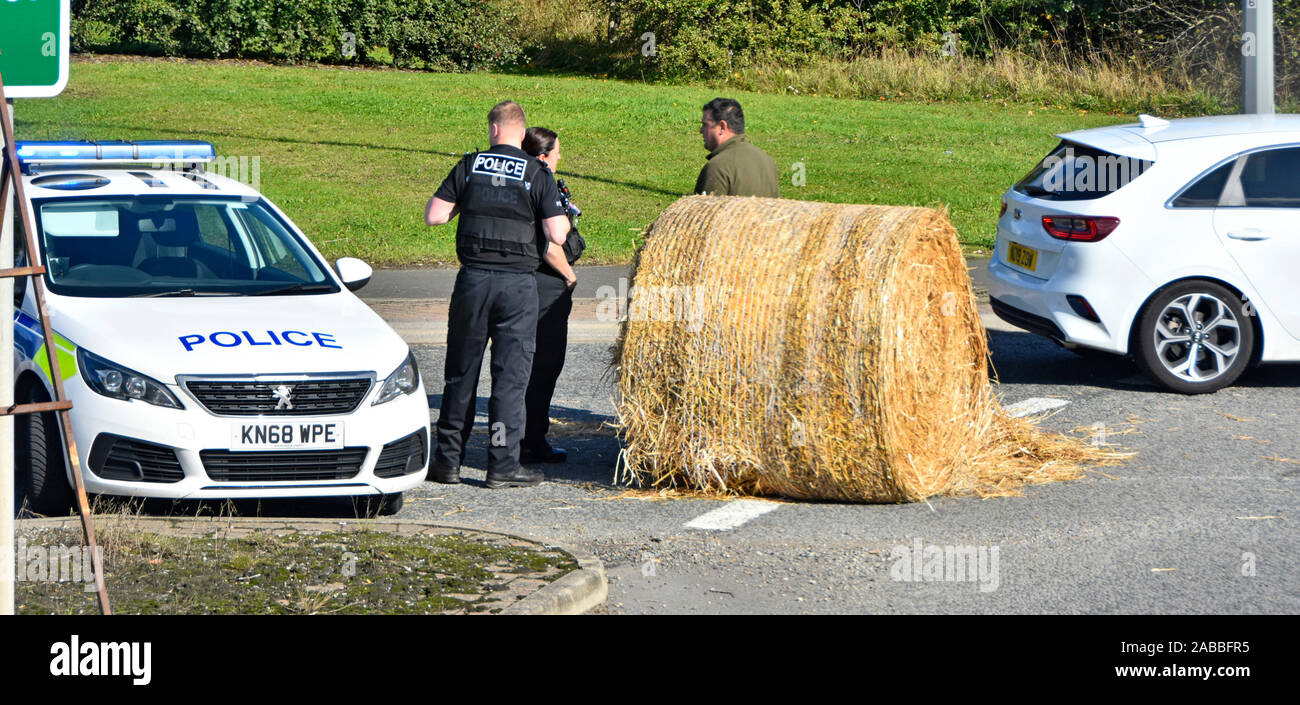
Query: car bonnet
[240, 335]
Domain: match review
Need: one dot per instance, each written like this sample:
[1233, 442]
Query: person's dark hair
[728, 111]
[507, 112]
[539, 141]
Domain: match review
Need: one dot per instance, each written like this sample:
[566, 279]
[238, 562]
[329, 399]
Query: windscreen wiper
[181, 292]
[299, 288]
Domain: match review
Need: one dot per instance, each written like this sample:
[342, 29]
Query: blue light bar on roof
[117, 151]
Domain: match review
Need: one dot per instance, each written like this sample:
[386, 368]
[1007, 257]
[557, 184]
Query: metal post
[7, 467]
[1257, 57]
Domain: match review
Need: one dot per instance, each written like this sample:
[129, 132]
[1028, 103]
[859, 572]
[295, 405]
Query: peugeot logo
[281, 394]
[1018, 214]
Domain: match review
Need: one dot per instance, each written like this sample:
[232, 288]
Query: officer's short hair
[507, 112]
[539, 141]
[728, 111]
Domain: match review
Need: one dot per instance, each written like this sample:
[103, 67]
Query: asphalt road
[1202, 520]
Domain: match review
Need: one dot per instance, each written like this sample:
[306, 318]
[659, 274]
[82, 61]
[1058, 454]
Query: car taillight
[1003, 211]
[1079, 228]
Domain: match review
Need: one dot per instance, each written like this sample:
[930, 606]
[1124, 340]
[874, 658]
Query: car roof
[137, 181]
[1139, 139]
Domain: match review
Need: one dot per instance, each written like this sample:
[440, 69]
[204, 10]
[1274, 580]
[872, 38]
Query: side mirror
[354, 273]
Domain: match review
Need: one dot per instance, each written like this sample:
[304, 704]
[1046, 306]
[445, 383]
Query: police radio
[566, 200]
[574, 244]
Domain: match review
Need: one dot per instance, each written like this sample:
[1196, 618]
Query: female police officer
[555, 281]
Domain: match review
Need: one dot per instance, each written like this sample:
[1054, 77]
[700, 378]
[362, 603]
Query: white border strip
[731, 515]
[1036, 405]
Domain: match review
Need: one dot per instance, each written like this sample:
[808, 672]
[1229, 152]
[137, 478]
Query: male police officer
[499, 195]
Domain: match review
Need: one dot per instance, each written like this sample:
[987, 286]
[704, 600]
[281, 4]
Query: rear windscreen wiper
[1036, 191]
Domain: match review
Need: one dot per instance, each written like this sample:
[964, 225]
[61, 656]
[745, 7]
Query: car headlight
[118, 382]
[404, 380]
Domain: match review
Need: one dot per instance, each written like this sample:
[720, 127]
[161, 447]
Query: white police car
[208, 349]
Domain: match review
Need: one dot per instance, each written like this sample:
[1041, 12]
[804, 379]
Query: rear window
[1076, 172]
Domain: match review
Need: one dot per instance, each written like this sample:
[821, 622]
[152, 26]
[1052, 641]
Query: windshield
[1075, 172]
[172, 246]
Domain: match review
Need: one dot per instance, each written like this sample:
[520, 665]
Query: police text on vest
[488, 164]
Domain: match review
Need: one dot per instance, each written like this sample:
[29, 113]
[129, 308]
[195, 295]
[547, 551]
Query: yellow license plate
[1022, 256]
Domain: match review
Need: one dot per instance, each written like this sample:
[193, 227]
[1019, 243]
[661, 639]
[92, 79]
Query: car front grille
[403, 456]
[314, 397]
[117, 458]
[283, 465]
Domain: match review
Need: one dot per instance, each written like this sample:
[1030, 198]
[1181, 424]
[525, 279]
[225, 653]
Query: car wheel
[38, 452]
[372, 506]
[1194, 338]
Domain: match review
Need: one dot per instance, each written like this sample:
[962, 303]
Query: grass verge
[341, 572]
[353, 155]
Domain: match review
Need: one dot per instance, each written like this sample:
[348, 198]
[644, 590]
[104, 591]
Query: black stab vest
[496, 213]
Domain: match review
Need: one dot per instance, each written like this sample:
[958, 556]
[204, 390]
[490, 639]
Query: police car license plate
[302, 435]
[1022, 256]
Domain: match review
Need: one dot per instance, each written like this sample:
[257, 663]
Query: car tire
[1194, 337]
[38, 451]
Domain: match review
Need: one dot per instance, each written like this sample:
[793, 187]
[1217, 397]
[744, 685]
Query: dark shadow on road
[1025, 358]
[569, 414]
[586, 436]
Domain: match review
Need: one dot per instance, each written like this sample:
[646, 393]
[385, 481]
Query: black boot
[543, 453]
[441, 473]
[520, 477]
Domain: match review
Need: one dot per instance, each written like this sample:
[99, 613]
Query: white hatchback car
[1174, 242]
[207, 348]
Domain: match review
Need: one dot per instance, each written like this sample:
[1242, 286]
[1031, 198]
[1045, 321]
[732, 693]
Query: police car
[208, 349]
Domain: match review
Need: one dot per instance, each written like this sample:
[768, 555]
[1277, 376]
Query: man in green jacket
[735, 167]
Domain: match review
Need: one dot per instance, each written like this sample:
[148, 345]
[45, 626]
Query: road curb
[574, 593]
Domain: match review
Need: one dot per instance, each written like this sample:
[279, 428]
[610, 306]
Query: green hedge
[434, 34]
[693, 39]
[702, 38]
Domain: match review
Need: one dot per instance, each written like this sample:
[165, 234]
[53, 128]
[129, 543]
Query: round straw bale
[814, 350]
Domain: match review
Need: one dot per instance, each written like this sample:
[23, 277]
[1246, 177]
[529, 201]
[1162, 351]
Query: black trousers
[554, 304]
[501, 307]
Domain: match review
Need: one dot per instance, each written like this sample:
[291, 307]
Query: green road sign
[34, 47]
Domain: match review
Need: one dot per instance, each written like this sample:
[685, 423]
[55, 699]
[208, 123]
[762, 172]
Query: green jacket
[738, 168]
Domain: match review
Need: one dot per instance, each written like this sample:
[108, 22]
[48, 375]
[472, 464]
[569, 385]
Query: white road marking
[1036, 405]
[731, 515]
